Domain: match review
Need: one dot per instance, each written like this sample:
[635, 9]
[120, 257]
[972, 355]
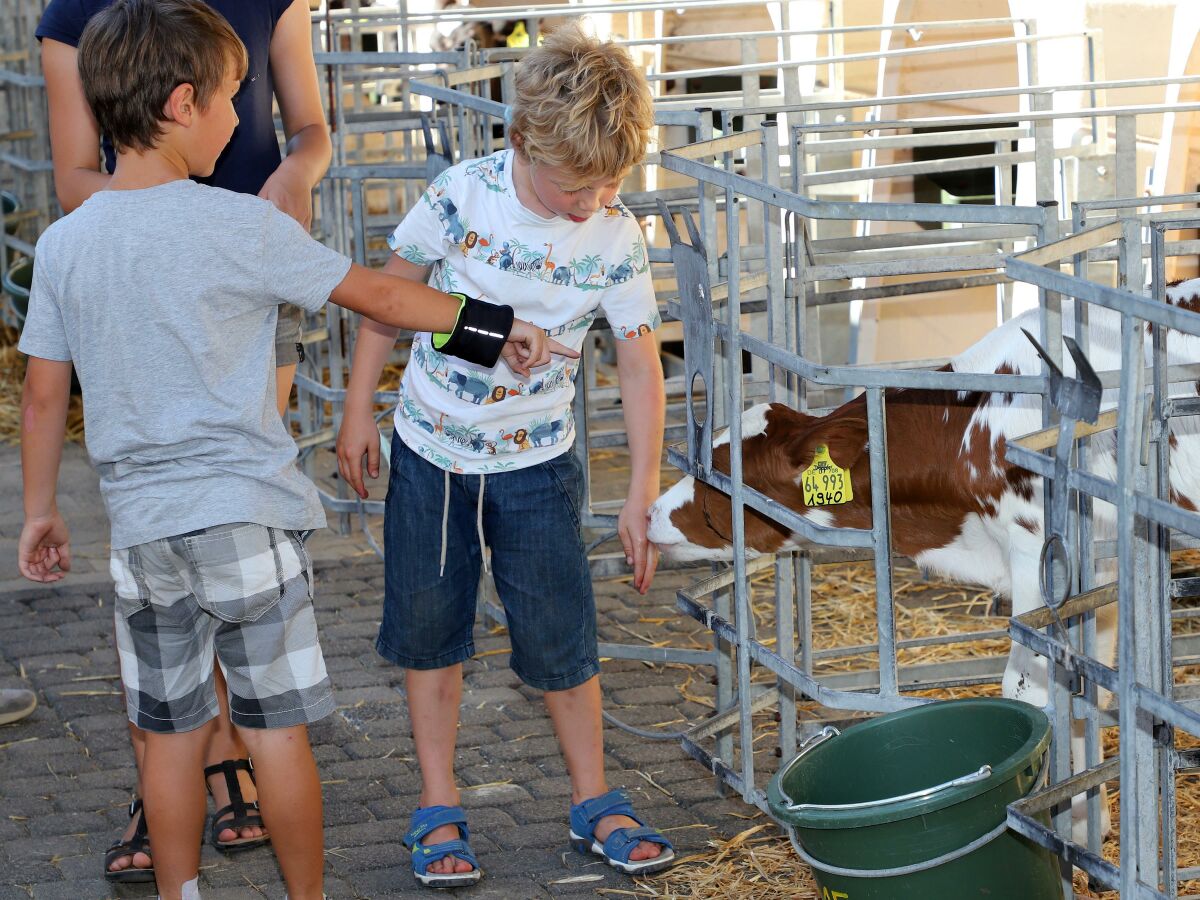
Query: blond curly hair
[581, 104]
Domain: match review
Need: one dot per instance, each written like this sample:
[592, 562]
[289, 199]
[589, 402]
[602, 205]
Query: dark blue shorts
[539, 562]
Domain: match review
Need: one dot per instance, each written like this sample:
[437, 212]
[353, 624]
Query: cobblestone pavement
[66, 772]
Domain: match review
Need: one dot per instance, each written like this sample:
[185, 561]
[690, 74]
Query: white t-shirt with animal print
[481, 241]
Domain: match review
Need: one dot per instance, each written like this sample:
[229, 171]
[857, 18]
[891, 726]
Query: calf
[959, 508]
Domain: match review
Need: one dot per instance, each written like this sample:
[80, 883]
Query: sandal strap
[230, 768]
[426, 819]
[585, 815]
[423, 857]
[249, 816]
[620, 844]
[139, 841]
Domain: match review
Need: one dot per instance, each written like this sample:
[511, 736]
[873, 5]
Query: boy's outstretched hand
[529, 347]
[641, 554]
[44, 551]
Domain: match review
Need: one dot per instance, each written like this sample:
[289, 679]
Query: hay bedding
[758, 862]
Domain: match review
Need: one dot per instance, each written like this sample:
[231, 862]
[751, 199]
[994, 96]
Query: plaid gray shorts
[241, 591]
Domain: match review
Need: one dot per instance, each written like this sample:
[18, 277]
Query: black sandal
[138, 843]
[245, 815]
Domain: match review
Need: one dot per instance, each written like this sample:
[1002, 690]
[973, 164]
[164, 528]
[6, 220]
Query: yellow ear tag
[825, 483]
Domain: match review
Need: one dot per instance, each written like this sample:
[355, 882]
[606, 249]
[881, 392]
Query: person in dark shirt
[278, 41]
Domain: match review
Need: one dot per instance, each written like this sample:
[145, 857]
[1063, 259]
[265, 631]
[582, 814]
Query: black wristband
[480, 333]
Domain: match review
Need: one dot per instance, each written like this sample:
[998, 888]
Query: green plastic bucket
[912, 805]
[17, 279]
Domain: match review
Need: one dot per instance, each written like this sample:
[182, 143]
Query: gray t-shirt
[165, 300]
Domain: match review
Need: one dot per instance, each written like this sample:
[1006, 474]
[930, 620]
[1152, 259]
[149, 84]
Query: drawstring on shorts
[445, 522]
[483, 548]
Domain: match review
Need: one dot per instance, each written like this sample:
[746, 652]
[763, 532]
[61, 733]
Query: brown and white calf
[959, 509]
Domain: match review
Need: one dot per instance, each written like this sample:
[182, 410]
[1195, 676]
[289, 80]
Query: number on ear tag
[824, 482]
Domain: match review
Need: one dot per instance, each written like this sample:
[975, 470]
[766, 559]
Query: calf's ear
[844, 436]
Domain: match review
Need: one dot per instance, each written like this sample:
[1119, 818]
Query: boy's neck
[147, 168]
[526, 195]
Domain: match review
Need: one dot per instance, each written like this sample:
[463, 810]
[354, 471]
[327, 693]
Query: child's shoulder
[485, 173]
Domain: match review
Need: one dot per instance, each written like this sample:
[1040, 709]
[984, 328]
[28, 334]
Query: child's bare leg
[434, 696]
[578, 724]
[137, 739]
[174, 800]
[227, 744]
[290, 793]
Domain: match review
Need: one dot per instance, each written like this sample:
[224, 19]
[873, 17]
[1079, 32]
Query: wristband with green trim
[479, 332]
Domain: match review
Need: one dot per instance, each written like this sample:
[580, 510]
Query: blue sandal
[425, 820]
[620, 844]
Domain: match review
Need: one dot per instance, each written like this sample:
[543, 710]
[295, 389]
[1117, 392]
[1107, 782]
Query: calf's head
[692, 521]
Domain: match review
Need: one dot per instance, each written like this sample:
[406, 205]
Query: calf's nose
[661, 531]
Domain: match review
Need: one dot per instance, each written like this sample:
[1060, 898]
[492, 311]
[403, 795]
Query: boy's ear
[517, 140]
[181, 104]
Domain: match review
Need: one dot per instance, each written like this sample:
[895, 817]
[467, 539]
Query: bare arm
[643, 403]
[309, 149]
[44, 546]
[374, 342]
[74, 134]
[395, 302]
[358, 439]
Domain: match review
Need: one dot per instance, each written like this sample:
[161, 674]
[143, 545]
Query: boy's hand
[358, 437]
[290, 195]
[640, 551]
[44, 551]
[529, 347]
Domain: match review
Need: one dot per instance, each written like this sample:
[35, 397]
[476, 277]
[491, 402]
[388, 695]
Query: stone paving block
[636, 755]
[88, 889]
[531, 748]
[121, 777]
[335, 663]
[378, 729]
[356, 678]
[366, 695]
[357, 835]
[494, 795]
[484, 715]
[67, 823]
[546, 787]
[39, 871]
[535, 838]
[517, 771]
[379, 748]
[391, 881]
[25, 806]
[526, 728]
[647, 695]
[552, 766]
[496, 676]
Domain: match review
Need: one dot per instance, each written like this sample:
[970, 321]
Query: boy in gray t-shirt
[163, 294]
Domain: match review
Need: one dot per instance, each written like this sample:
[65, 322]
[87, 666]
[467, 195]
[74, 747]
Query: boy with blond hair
[163, 295]
[483, 460]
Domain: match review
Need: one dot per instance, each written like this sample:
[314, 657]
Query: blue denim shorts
[539, 562]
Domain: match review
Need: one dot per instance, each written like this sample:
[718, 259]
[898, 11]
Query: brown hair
[581, 104]
[134, 53]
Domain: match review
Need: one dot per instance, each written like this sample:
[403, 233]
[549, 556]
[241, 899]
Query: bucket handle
[914, 868]
[809, 744]
[984, 772]
[829, 732]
